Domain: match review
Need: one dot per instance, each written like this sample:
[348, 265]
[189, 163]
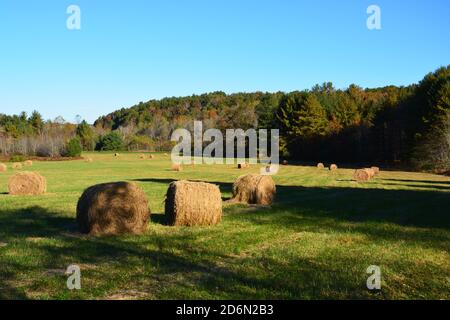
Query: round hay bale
[113, 208]
[193, 204]
[333, 167]
[28, 163]
[142, 156]
[151, 156]
[88, 160]
[27, 183]
[376, 170]
[177, 167]
[243, 165]
[320, 165]
[3, 167]
[362, 175]
[371, 172]
[254, 189]
[285, 162]
[166, 155]
[116, 154]
[17, 165]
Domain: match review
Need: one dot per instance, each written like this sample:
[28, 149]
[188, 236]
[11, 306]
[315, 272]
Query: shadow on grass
[414, 208]
[172, 264]
[158, 218]
[419, 181]
[169, 265]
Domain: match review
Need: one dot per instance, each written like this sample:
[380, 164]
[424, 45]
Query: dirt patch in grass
[128, 295]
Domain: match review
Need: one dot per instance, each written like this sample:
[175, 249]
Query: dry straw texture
[28, 163]
[364, 174]
[254, 189]
[3, 167]
[320, 165]
[193, 204]
[376, 170]
[27, 183]
[177, 167]
[113, 208]
[333, 167]
[141, 156]
[17, 165]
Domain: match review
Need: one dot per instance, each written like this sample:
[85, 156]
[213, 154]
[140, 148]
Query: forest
[407, 126]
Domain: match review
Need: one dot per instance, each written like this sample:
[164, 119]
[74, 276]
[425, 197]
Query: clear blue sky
[131, 51]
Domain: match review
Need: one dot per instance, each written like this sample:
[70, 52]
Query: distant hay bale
[116, 154]
[243, 165]
[320, 165]
[28, 163]
[27, 183]
[166, 155]
[88, 160]
[151, 156]
[3, 167]
[177, 167]
[17, 165]
[193, 204]
[142, 156]
[113, 208]
[376, 170]
[333, 167]
[371, 172]
[285, 162]
[254, 189]
[362, 175]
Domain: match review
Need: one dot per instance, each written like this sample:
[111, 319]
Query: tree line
[408, 125]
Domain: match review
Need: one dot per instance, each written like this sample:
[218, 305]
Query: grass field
[316, 242]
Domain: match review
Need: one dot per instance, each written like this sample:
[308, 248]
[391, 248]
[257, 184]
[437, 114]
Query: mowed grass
[316, 242]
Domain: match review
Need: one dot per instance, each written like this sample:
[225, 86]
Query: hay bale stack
[28, 163]
[320, 166]
[254, 189]
[113, 208]
[17, 165]
[3, 167]
[362, 175]
[177, 167]
[376, 170]
[333, 167]
[193, 204]
[27, 183]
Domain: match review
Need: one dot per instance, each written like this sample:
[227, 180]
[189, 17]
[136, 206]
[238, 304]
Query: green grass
[316, 242]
